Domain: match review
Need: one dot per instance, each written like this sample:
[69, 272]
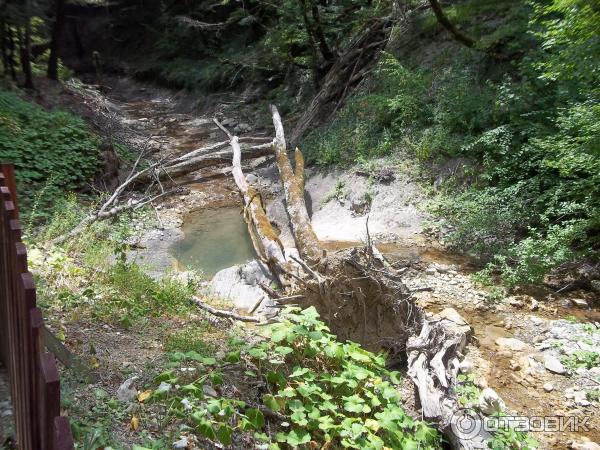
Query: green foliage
[129, 295]
[334, 393]
[272, 44]
[331, 394]
[582, 358]
[466, 390]
[53, 152]
[506, 437]
[190, 338]
[92, 428]
[338, 193]
[91, 273]
[530, 133]
[593, 395]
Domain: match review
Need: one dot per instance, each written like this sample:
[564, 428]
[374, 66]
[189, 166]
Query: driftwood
[210, 155]
[293, 185]
[264, 237]
[154, 173]
[223, 313]
[433, 366]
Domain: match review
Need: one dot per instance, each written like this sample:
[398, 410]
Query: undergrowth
[523, 136]
[53, 153]
[329, 394]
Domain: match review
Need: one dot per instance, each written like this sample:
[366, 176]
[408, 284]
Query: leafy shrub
[53, 152]
[331, 394]
[582, 358]
[534, 137]
[334, 393]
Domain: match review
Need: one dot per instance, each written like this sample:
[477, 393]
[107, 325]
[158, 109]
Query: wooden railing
[33, 374]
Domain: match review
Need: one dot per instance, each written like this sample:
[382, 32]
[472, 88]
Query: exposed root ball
[362, 300]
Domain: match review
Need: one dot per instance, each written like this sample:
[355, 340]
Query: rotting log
[292, 180]
[201, 158]
[265, 238]
[433, 363]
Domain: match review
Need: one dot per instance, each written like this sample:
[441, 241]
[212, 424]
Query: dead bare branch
[223, 313]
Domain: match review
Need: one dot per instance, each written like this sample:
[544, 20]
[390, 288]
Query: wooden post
[33, 374]
[10, 182]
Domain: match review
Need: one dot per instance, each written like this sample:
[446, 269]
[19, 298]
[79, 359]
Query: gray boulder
[241, 285]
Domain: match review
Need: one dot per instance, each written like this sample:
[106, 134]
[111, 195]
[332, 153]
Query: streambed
[214, 239]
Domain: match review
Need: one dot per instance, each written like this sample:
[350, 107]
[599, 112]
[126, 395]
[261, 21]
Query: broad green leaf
[224, 434]
[297, 437]
[270, 402]
[256, 418]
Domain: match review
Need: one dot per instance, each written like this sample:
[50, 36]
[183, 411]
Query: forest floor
[517, 343]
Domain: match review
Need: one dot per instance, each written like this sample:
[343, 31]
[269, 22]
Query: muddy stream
[211, 236]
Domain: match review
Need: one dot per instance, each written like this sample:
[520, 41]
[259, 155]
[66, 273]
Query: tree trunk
[264, 237]
[328, 55]
[25, 48]
[4, 46]
[443, 20]
[346, 72]
[11, 52]
[293, 185]
[311, 42]
[460, 36]
[208, 156]
[52, 72]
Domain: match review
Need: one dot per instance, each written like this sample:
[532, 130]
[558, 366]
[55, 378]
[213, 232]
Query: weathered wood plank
[33, 375]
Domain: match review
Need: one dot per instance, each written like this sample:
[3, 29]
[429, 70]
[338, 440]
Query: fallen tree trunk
[264, 237]
[208, 156]
[293, 185]
[362, 298]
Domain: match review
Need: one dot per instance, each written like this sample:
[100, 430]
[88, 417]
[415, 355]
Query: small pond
[214, 239]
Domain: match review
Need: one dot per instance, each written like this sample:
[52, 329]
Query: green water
[214, 239]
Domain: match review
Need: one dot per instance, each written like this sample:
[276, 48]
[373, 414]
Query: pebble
[579, 302]
[548, 387]
[490, 402]
[536, 320]
[586, 445]
[127, 391]
[465, 366]
[535, 305]
[209, 391]
[181, 443]
[513, 344]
